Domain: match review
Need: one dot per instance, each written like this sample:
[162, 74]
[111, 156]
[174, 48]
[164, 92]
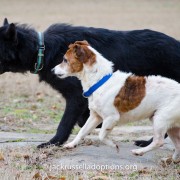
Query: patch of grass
[76, 130]
[134, 175]
[125, 140]
[22, 114]
[6, 110]
[54, 115]
[40, 131]
[145, 122]
[25, 114]
[17, 140]
[119, 174]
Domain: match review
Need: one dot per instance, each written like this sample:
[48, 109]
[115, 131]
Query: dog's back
[159, 93]
[136, 97]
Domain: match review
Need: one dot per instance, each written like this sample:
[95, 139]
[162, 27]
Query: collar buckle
[40, 57]
[42, 47]
[38, 68]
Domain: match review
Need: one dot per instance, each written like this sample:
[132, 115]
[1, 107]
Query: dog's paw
[69, 145]
[137, 152]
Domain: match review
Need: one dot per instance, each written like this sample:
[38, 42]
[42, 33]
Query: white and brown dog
[119, 97]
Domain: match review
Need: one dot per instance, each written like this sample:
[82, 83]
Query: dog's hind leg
[158, 140]
[93, 121]
[174, 134]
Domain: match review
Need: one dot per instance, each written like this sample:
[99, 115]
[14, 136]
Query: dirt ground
[32, 107]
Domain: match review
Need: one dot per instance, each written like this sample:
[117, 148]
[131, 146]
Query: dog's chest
[95, 103]
[102, 99]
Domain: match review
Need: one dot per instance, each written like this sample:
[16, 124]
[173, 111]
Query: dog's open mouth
[61, 76]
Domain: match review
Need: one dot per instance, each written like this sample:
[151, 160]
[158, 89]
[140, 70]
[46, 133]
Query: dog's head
[8, 47]
[78, 57]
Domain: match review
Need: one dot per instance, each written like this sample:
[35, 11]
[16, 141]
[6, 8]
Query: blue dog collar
[96, 86]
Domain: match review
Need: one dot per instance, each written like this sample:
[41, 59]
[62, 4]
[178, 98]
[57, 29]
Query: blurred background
[29, 106]
[160, 15]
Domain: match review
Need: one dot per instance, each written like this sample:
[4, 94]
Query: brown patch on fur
[85, 43]
[131, 94]
[82, 43]
[79, 54]
[73, 63]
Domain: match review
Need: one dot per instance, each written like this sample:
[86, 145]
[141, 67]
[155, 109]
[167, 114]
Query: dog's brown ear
[84, 42]
[79, 52]
[71, 46]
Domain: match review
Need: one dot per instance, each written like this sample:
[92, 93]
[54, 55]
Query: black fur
[143, 52]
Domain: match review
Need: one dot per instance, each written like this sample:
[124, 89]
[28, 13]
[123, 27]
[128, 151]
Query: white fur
[162, 100]
[61, 71]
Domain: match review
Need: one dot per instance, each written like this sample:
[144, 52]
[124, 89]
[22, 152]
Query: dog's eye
[64, 59]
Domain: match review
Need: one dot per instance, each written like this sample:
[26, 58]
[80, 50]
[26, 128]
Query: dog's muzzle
[57, 74]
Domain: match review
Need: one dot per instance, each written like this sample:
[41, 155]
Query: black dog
[143, 52]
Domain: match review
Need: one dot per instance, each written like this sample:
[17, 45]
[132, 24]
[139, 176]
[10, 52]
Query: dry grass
[40, 113]
[29, 163]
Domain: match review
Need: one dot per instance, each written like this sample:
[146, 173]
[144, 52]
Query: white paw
[137, 152]
[69, 145]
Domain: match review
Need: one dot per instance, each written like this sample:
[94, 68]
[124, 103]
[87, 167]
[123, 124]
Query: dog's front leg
[107, 126]
[93, 121]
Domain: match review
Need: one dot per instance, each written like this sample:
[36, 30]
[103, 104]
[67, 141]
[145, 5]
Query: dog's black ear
[11, 33]
[5, 22]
